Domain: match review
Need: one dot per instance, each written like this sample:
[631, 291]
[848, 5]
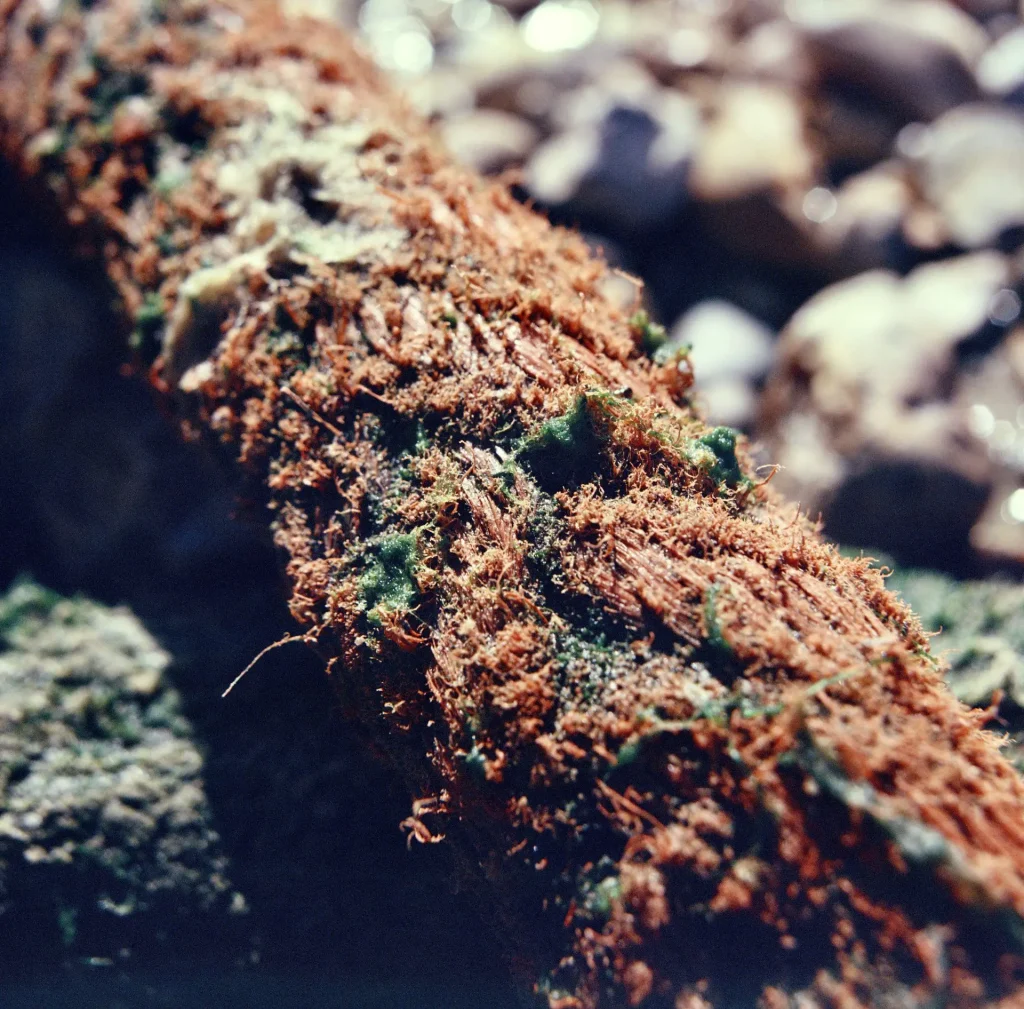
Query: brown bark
[696, 755]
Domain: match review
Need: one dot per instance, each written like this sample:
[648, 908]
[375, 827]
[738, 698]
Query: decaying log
[696, 756]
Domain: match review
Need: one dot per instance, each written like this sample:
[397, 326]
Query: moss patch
[389, 580]
[715, 454]
[565, 451]
[652, 336]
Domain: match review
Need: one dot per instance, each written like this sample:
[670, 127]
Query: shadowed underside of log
[692, 754]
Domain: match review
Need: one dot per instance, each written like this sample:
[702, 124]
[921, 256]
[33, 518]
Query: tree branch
[696, 755]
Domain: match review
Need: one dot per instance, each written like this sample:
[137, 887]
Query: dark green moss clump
[113, 87]
[715, 454]
[390, 581]
[652, 335]
[565, 452]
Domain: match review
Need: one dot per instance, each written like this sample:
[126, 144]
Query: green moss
[981, 634]
[421, 439]
[285, 343]
[565, 451]
[171, 176]
[933, 866]
[718, 712]
[652, 336]
[389, 580]
[715, 454]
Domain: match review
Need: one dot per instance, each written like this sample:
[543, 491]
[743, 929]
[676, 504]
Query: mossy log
[695, 756]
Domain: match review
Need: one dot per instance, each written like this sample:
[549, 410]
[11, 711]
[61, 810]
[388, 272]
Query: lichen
[103, 817]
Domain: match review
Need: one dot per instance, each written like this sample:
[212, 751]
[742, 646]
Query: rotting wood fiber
[692, 755]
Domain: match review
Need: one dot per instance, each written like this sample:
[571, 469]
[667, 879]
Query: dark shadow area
[99, 496]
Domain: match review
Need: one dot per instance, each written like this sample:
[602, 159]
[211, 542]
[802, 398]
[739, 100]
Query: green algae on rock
[106, 835]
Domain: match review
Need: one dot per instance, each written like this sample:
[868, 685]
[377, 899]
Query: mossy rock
[106, 834]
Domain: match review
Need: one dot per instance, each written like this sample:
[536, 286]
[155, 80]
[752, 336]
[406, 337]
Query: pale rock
[559, 165]
[728, 401]
[488, 140]
[864, 230]
[774, 51]
[694, 42]
[725, 343]
[624, 172]
[973, 173]
[1001, 69]
[620, 83]
[753, 166]
[531, 90]
[755, 141]
[444, 92]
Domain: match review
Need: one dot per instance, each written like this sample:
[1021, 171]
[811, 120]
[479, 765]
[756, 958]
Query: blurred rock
[988, 396]
[754, 142]
[531, 91]
[854, 132]
[625, 172]
[725, 342]
[688, 40]
[858, 410]
[446, 92]
[728, 401]
[985, 10]
[488, 140]
[754, 164]
[862, 228]
[774, 51]
[730, 352]
[980, 627]
[998, 535]
[972, 173]
[913, 58]
[1001, 69]
[108, 504]
[610, 84]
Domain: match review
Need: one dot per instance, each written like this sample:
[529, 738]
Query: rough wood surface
[693, 754]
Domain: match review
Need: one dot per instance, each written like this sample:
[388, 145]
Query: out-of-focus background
[824, 199]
